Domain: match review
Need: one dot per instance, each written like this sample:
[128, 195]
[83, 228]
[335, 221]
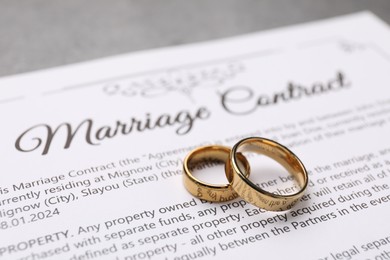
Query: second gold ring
[249, 191]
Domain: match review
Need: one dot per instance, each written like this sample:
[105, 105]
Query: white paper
[91, 154]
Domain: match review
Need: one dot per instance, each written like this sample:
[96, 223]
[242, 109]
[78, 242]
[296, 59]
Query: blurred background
[38, 34]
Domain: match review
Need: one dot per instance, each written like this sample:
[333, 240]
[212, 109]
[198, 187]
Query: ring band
[250, 191]
[204, 190]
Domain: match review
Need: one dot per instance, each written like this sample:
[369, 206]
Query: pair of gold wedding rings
[237, 170]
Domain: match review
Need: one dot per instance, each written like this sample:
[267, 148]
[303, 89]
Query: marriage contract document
[91, 154]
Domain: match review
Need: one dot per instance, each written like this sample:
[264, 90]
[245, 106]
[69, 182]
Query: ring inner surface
[211, 157]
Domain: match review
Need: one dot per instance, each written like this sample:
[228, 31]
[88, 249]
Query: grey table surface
[38, 34]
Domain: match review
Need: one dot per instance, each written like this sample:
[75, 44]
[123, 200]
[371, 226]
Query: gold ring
[204, 190]
[250, 191]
